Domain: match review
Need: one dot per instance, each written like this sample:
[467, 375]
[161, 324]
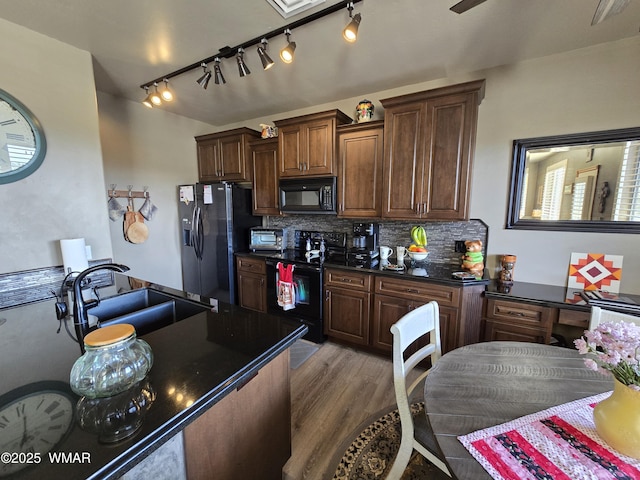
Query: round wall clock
[22, 141]
[34, 420]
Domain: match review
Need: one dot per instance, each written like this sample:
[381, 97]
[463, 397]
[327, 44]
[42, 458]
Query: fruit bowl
[418, 256]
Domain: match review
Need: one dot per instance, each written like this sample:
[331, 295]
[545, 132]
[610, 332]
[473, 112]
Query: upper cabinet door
[307, 144]
[320, 147]
[232, 161]
[360, 157]
[290, 144]
[404, 131]
[451, 123]
[264, 161]
[429, 146]
[223, 156]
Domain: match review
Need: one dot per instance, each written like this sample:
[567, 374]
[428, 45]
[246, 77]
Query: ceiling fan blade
[465, 5]
[608, 8]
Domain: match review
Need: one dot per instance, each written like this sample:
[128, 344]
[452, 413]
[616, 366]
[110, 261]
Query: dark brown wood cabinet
[360, 159]
[254, 418]
[252, 283]
[361, 307]
[518, 321]
[224, 155]
[264, 166]
[429, 142]
[347, 305]
[307, 144]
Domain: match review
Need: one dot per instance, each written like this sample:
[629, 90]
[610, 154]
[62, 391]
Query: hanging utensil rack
[130, 193]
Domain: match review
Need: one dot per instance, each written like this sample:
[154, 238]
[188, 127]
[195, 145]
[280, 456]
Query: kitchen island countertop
[197, 362]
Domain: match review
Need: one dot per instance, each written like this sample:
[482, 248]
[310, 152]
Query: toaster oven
[267, 239]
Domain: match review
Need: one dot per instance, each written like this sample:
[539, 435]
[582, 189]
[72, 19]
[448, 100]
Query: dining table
[487, 384]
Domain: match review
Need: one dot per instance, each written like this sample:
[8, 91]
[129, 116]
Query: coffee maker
[364, 252]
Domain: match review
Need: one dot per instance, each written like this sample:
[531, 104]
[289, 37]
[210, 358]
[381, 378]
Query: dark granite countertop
[421, 271]
[197, 362]
[549, 296]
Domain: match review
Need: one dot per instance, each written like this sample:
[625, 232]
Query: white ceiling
[400, 42]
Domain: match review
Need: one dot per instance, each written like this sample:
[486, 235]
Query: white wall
[64, 197]
[590, 89]
[152, 148]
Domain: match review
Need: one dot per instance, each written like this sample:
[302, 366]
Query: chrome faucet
[80, 306]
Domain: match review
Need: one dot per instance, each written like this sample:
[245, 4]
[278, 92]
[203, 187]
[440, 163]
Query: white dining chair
[600, 315]
[416, 431]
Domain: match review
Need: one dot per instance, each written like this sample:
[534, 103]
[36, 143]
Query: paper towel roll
[74, 255]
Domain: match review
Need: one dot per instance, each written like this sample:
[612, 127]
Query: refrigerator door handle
[200, 236]
[194, 231]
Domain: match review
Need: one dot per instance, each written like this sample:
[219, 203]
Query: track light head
[155, 96]
[242, 67]
[217, 72]
[203, 81]
[267, 63]
[147, 99]
[286, 54]
[350, 32]
[166, 94]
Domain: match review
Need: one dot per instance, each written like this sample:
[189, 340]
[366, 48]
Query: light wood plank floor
[332, 393]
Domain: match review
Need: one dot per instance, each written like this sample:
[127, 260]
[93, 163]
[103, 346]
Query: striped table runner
[558, 443]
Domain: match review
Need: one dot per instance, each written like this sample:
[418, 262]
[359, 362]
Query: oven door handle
[297, 266]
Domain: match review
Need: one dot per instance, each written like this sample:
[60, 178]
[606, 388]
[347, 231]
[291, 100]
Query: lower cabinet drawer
[517, 321]
[498, 331]
[574, 318]
[251, 265]
[521, 313]
[420, 291]
[347, 279]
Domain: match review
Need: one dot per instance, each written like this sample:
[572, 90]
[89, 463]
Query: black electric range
[311, 251]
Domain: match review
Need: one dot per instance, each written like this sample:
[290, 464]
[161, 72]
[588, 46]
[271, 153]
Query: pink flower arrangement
[614, 348]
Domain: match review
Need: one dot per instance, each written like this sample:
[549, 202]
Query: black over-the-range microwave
[308, 195]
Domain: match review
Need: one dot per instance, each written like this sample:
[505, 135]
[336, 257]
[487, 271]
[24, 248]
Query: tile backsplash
[18, 288]
[441, 235]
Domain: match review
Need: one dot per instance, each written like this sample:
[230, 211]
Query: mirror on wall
[577, 182]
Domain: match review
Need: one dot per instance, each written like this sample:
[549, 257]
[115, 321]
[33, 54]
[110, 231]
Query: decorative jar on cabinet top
[114, 360]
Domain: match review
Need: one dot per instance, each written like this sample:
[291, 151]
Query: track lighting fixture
[203, 81]
[147, 99]
[286, 54]
[242, 67]
[217, 72]
[155, 96]
[267, 63]
[350, 32]
[166, 94]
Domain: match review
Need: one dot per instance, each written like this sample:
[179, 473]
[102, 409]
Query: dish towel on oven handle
[286, 289]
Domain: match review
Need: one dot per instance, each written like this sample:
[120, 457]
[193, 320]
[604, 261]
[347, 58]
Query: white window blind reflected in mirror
[627, 206]
[553, 190]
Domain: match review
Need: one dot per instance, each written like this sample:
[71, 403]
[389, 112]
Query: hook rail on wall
[130, 193]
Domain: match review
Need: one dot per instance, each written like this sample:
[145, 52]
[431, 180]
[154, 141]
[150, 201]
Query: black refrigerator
[214, 223]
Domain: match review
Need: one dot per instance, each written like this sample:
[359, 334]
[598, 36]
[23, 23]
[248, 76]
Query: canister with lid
[114, 360]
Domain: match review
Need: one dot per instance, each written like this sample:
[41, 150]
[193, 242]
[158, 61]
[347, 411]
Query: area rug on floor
[300, 352]
[370, 452]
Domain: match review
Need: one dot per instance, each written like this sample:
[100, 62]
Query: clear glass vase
[114, 361]
[617, 420]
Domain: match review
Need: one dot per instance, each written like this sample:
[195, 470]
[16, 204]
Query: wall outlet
[460, 247]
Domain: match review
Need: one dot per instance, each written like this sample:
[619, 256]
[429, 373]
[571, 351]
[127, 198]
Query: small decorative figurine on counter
[473, 260]
[508, 263]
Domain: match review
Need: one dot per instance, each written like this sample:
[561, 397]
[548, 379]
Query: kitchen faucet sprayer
[80, 306]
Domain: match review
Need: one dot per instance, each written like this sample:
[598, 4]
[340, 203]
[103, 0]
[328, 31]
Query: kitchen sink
[146, 309]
